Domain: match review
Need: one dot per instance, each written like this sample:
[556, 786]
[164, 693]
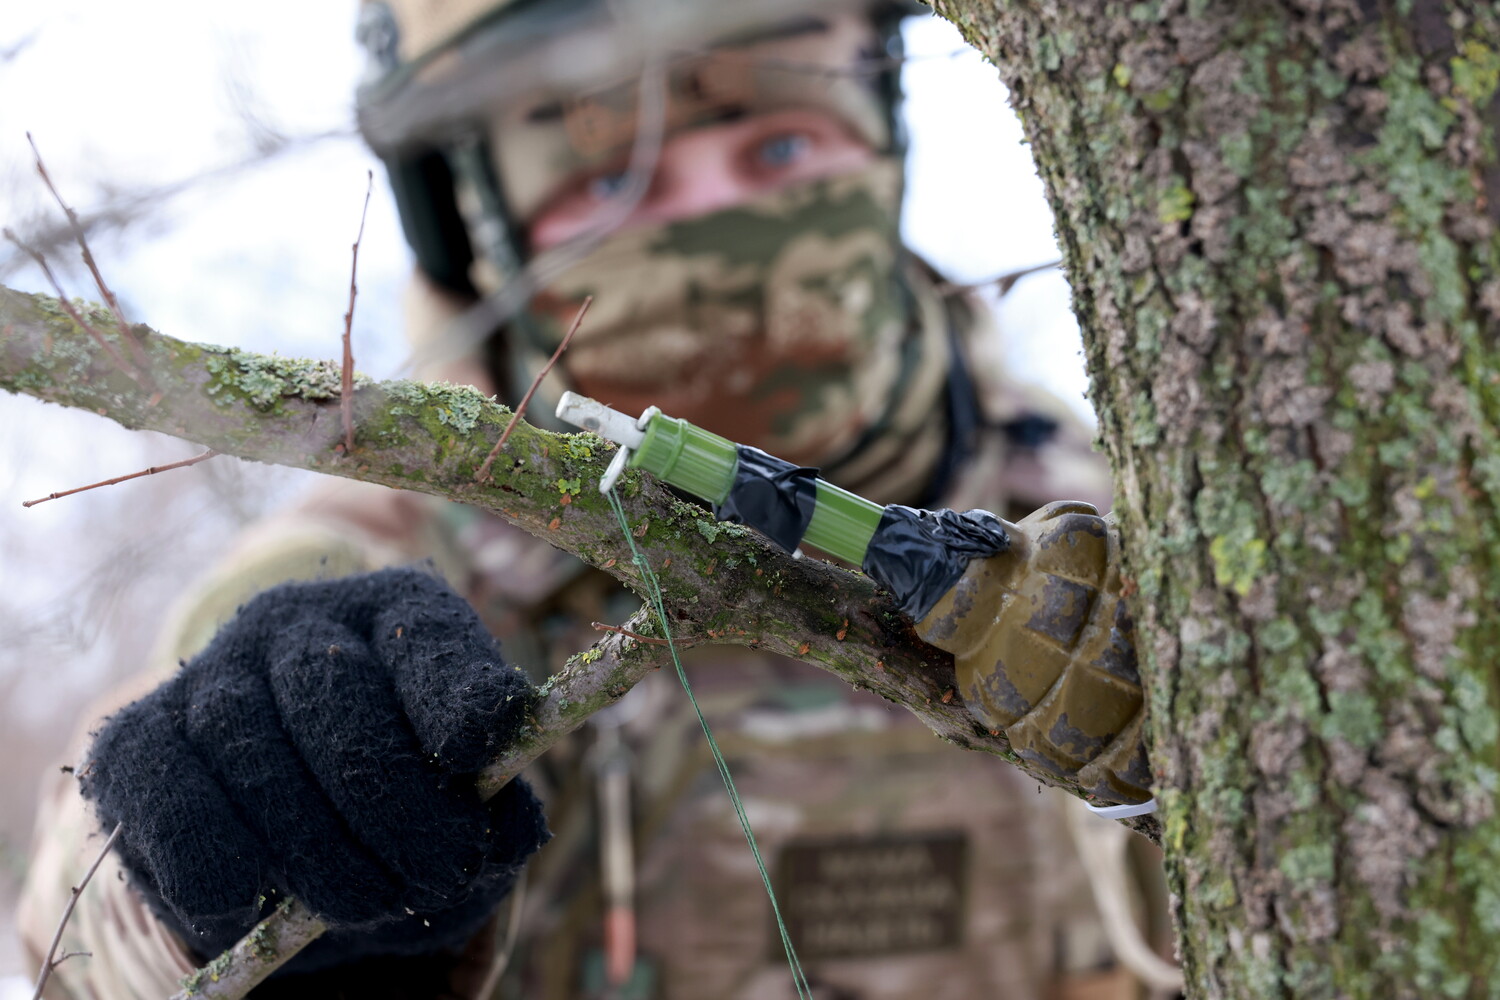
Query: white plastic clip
[614, 470]
[1125, 811]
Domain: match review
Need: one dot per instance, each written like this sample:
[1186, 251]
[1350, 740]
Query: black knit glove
[324, 745]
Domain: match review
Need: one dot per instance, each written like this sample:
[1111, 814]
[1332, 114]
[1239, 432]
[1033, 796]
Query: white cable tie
[1125, 811]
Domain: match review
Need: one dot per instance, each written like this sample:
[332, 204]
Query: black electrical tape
[918, 555]
[770, 495]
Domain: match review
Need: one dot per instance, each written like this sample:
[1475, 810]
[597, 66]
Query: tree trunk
[1280, 221]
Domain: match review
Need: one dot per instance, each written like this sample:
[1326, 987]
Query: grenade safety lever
[1043, 644]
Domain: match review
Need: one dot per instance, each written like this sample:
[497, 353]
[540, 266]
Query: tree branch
[719, 581]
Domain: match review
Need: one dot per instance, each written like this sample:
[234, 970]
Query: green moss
[1295, 691]
[1176, 203]
[1476, 73]
[1303, 789]
[1476, 716]
[1328, 623]
[459, 410]
[446, 413]
[1145, 429]
[1239, 560]
[1162, 100]
[264, 380]
[1430, 948]
[1292, 485]
[1308, 864]
[580, 446]
[1355, 717]
[213, 972]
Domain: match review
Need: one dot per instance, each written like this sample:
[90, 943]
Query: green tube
[688, 457]
[693, 459]
[842, 523]
[919, 556]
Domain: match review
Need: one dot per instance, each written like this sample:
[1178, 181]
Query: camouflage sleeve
[340, 529]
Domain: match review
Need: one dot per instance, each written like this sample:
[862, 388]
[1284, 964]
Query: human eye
[602, 187]
[785, 149]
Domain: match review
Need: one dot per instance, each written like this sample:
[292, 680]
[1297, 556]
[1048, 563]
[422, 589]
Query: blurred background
[211, 150]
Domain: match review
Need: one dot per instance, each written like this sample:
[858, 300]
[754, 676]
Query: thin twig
[88, 258]
[507, 948]
[74, 314]
[126, 207]
[1004, 282]
[51, 962]
[629, 634]
[153, 470]
[484, 470]
[346, 390]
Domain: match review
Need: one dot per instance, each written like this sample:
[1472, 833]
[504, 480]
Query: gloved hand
[324, 745]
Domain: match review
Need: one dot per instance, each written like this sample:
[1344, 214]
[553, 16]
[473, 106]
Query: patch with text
[860, 896]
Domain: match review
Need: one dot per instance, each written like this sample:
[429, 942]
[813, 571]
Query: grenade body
[1044, 650]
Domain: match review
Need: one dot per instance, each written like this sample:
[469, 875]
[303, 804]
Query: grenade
[1042, 642]
[1044, 650]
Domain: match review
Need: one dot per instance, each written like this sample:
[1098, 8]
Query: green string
[799, 978]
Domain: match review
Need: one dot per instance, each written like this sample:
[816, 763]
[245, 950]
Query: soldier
[725, 180]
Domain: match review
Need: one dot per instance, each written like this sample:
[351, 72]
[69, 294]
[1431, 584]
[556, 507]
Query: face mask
[781, 323]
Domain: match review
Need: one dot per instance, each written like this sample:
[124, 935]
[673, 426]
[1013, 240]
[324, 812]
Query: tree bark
[1280, 223]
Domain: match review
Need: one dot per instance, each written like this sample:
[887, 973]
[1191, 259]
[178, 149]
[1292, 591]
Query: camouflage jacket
[906, 868]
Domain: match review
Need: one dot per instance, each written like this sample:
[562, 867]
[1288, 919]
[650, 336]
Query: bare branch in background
[1002, 283]
[67, 306]
[119, 208]
[9, 53]
[153, 470]
[484, 470]
[51, 961]
[246, 102]
[88, 257]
